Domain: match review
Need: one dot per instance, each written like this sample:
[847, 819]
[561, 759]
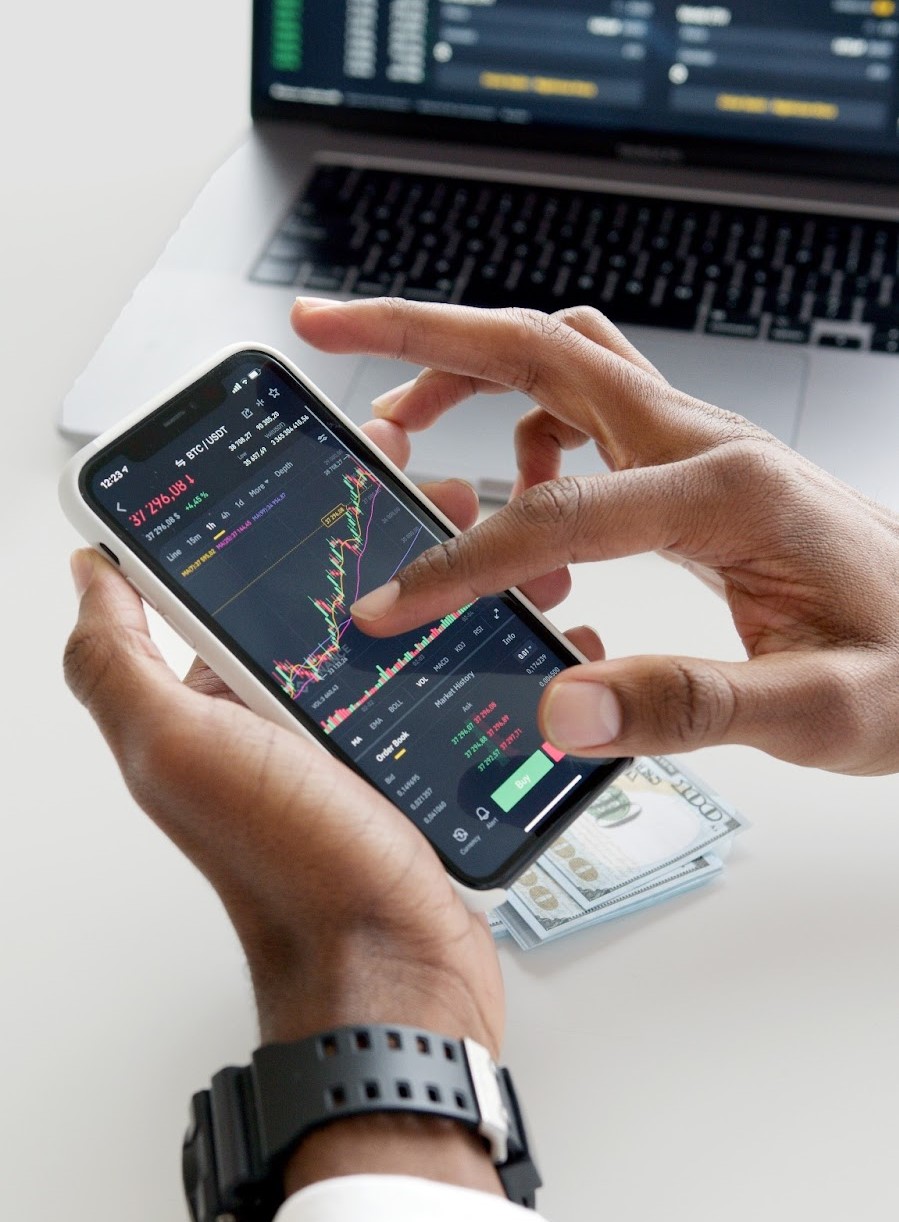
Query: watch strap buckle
[494, 1119]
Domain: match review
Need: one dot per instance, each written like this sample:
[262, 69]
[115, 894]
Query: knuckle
[649, 392]
[693, 706]
[540, 332]
[527, 427]
[102, 669]
[436, 566]
[751, 465]
[584, 317]
[538, 435]
[87, 660]
[842, 706]
[557, 510]
[532, 321]
[755, 450]
[838, 731]
[552, 504]
[400, 320]
[734, 431]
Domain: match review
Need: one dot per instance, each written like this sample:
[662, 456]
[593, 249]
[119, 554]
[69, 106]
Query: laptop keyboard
[741, 272]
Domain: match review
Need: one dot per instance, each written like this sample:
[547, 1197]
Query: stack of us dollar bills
[656, 831]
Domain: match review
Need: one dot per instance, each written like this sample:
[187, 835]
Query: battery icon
[254, 373]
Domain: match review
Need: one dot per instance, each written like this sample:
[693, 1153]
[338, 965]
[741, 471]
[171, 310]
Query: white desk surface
[730, 1055]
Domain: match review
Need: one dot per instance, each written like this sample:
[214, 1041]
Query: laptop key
[379, 285]
[275, 271]
[323, 278]
[414, 294]
[884, 318]
[839, 340]
[833, 309]
[885, 341]
[733, 324]
[643, 262]
[287, 248]
[673, 314]
[784, 330]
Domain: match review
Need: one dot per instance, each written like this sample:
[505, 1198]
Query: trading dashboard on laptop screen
[815, 73]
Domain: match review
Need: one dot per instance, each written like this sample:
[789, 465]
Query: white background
[730, 1055]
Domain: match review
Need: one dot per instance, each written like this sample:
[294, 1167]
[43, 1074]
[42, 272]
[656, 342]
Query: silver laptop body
[831, 396]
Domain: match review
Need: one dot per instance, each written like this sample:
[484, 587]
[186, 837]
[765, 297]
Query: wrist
[360, 985]
[393, 1144]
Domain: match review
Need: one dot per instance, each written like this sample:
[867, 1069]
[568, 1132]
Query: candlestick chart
[348, 549]
[386, 673]
[345, 552]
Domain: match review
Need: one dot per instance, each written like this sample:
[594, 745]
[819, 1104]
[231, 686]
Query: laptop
[720, 179]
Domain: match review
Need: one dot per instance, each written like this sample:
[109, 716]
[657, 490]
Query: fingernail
[383, 402]
[376, 604]
[582, 715]
[82, 565]
[317, 303]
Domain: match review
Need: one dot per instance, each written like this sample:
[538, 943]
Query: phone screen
[269, 518]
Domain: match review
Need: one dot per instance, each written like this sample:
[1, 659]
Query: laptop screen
[815, 75]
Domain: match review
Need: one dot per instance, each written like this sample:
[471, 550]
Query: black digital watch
[244, 1128]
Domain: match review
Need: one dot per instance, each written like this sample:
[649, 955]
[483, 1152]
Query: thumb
[802, 706]
[111, 664]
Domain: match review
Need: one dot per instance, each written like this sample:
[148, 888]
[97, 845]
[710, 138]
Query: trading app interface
[816, 72]
[272, 523]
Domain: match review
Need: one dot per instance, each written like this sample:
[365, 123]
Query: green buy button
[522, 780]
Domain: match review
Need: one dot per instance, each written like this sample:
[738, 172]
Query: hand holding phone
[253, 514]
[344, 912]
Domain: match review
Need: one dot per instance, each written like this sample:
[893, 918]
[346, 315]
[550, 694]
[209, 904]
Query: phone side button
[179, 632]
[138, 590]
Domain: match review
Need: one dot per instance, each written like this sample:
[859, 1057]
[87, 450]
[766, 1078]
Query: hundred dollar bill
[539, 910]
[654, 816]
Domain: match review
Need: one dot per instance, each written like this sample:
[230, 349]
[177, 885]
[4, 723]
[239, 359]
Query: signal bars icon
[238, 386]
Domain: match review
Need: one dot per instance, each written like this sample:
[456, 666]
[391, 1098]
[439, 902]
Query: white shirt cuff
[397, 1198]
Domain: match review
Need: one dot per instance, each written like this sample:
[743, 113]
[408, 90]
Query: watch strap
[245, 1127]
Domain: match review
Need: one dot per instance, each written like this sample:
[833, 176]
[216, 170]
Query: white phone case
[154, 592]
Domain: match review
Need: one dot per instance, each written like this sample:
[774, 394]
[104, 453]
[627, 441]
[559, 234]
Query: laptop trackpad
[474, 440]
[761, 381]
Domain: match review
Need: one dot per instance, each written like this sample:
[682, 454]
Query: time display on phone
[269, 517]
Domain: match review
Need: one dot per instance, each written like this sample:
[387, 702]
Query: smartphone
[251, 513]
